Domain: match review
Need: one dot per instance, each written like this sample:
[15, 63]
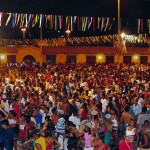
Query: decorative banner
[56, 22]
[143, 25]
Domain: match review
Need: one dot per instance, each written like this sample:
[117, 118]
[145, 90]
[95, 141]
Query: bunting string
[58, 22]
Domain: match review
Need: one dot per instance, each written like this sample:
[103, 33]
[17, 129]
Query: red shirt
[17, 110]
[123, 145]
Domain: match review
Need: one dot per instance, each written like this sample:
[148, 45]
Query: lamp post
[1, 58]
[23, 32]
[119, 19]
[68, 33]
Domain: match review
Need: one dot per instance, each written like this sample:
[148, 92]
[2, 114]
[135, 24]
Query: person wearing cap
[126, 144]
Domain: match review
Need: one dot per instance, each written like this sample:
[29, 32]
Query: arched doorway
[29, 59]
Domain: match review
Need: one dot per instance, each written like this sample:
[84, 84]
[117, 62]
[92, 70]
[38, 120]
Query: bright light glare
[135, 57]
[122, 35]
[2, 57]
[99, 57]
[68, 31]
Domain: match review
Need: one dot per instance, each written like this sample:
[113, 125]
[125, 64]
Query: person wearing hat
[126, 144]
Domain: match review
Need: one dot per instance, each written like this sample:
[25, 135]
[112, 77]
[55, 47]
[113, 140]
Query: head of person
[48, 133]
[146, 123]
[60, 113]
[5, 124]
[87, 129]
[144, 110]
[12, 114]
[135, 101]
[127, 107]
[22, 118]
[54, 110]
[28, 119]
[101, 136]
[132, 123]
[145, 126]
[36, 133]
[47, 118]
[113, 111]
[129, 137]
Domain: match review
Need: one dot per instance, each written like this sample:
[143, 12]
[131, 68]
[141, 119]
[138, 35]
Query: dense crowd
[75, 107]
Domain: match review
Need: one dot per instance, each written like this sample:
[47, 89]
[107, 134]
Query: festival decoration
[143, 25]
[105, 40]
[57, 22]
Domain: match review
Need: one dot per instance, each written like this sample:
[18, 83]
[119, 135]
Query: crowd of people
[75, 107]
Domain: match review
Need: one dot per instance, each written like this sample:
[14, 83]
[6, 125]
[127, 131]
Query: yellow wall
[3, 58]
[61, 58]
[118, 59]
[81, 58]
[136, 58]
[35, 52]
[100, 58]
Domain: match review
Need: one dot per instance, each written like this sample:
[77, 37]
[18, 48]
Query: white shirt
[6, 104]
[104, 104]
[75, 120]
[140, 100]
[137, 109]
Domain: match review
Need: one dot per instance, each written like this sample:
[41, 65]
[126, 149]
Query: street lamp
[120, 44]
[23, 32]
[68, 33]
[1, 58]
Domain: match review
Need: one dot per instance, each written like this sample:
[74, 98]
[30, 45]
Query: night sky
[131, 10]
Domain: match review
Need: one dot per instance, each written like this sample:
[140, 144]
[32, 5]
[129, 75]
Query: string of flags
[57, 22]
[142, 23]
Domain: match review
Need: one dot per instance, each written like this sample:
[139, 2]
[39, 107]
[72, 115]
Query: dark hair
[70, 123]
[144, 109]
[88, 130]
[146, 121]
[54, 109]
[48, 133]
[126, 108]
[5, 122]
[13, 113]
[47, 118]
[27, 118]
[2, 114]
[101, 136]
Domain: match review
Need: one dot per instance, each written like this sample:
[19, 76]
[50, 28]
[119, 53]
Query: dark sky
[130, 11]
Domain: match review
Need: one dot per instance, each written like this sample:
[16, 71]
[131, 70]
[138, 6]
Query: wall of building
[79, 51]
